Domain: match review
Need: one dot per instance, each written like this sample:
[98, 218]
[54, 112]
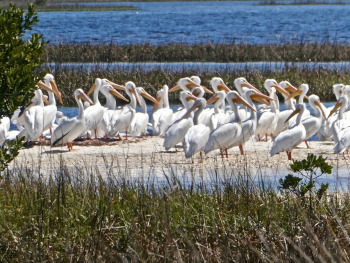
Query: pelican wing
[288, 139]
[66, 131]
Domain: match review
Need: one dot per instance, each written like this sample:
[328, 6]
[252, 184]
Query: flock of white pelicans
[199, 128]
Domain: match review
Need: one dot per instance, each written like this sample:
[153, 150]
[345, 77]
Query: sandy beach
[149, 152]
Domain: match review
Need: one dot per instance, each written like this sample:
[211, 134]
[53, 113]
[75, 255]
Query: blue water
[194, 22]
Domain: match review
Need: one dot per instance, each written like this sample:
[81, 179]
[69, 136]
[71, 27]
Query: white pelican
[51, 109]
[163, 117]
[197, 136]
[267, 119]
[249, 125]
[94, 113]
[217, 116]
[34, 118]
[187, 84]
[4, 128]
[70, 129]
[123, 117]
[341, 127]
[18, 116]
[138, 126]
[177, 130]
[110, 111]
[225, 136]
[291, 138]
[342, 123]
[313, 123]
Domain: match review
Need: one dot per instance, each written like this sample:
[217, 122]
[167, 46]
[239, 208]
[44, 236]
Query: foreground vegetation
[80, 215]
[320, 79]
[200, 52]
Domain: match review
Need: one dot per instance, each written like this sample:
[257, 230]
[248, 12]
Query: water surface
[194, 22]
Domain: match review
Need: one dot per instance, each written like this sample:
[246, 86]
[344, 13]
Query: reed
[320, 79]
[198, 52]
[80, 215]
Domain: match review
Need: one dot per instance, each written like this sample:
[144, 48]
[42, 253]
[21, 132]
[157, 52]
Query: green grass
[320, 79]
[78, 8]
[79, 216]
[198, 52]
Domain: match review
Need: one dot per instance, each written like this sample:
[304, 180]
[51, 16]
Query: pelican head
[287, 86]
[146, 95]
[50, 79]
[236, 98]
[343, 100]
[269, 83]
[131, 88]
[301, 91]
[185, 84]
[218, 84]
[314, 99]
[338, 90]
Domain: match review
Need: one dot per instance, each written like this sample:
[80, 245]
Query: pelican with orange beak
[291, 138]
[50, 110]
[69, 129]
[138, 126]
[228, 134]
[122, 118]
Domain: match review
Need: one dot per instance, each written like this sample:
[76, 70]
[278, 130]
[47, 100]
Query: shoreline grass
[80, 215]
[79, 8]
[198, 52]
[319, 78]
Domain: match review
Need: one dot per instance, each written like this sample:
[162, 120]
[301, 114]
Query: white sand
[149, 152]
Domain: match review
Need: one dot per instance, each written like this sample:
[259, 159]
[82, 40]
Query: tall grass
[213, 52]
[320, 79]
[80, 215]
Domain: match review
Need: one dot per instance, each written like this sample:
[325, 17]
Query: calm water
[191, 22]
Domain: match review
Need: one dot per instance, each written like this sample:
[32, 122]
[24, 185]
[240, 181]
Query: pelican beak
[223, 87]
[246, 84]
[259, 97]
[341, 92]
[44, 86]
[207, 90]
[192, 84]
[175, 88]
[239, 99]
[291, 88]
[281, 90]
[294, 94]
[155, 106]
[93, 87]
[191, 97]
[85, 97]
[117, 94]
[297, 110]
[136, 95]
[335, 108]
[148, 96]
[115, 85]
[318, 104]
[45, 100]
[212, 99]
[57, 92]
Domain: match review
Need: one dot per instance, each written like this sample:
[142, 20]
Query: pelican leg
[241, 149]
[226, 153]
[289, 154]
[271, 137]
[126, 134]
[95, 133]
[307, 145]
[70, 146]
[201, 154]
[120, 138]
[259, 137]
[221, 153]
[265, 137]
